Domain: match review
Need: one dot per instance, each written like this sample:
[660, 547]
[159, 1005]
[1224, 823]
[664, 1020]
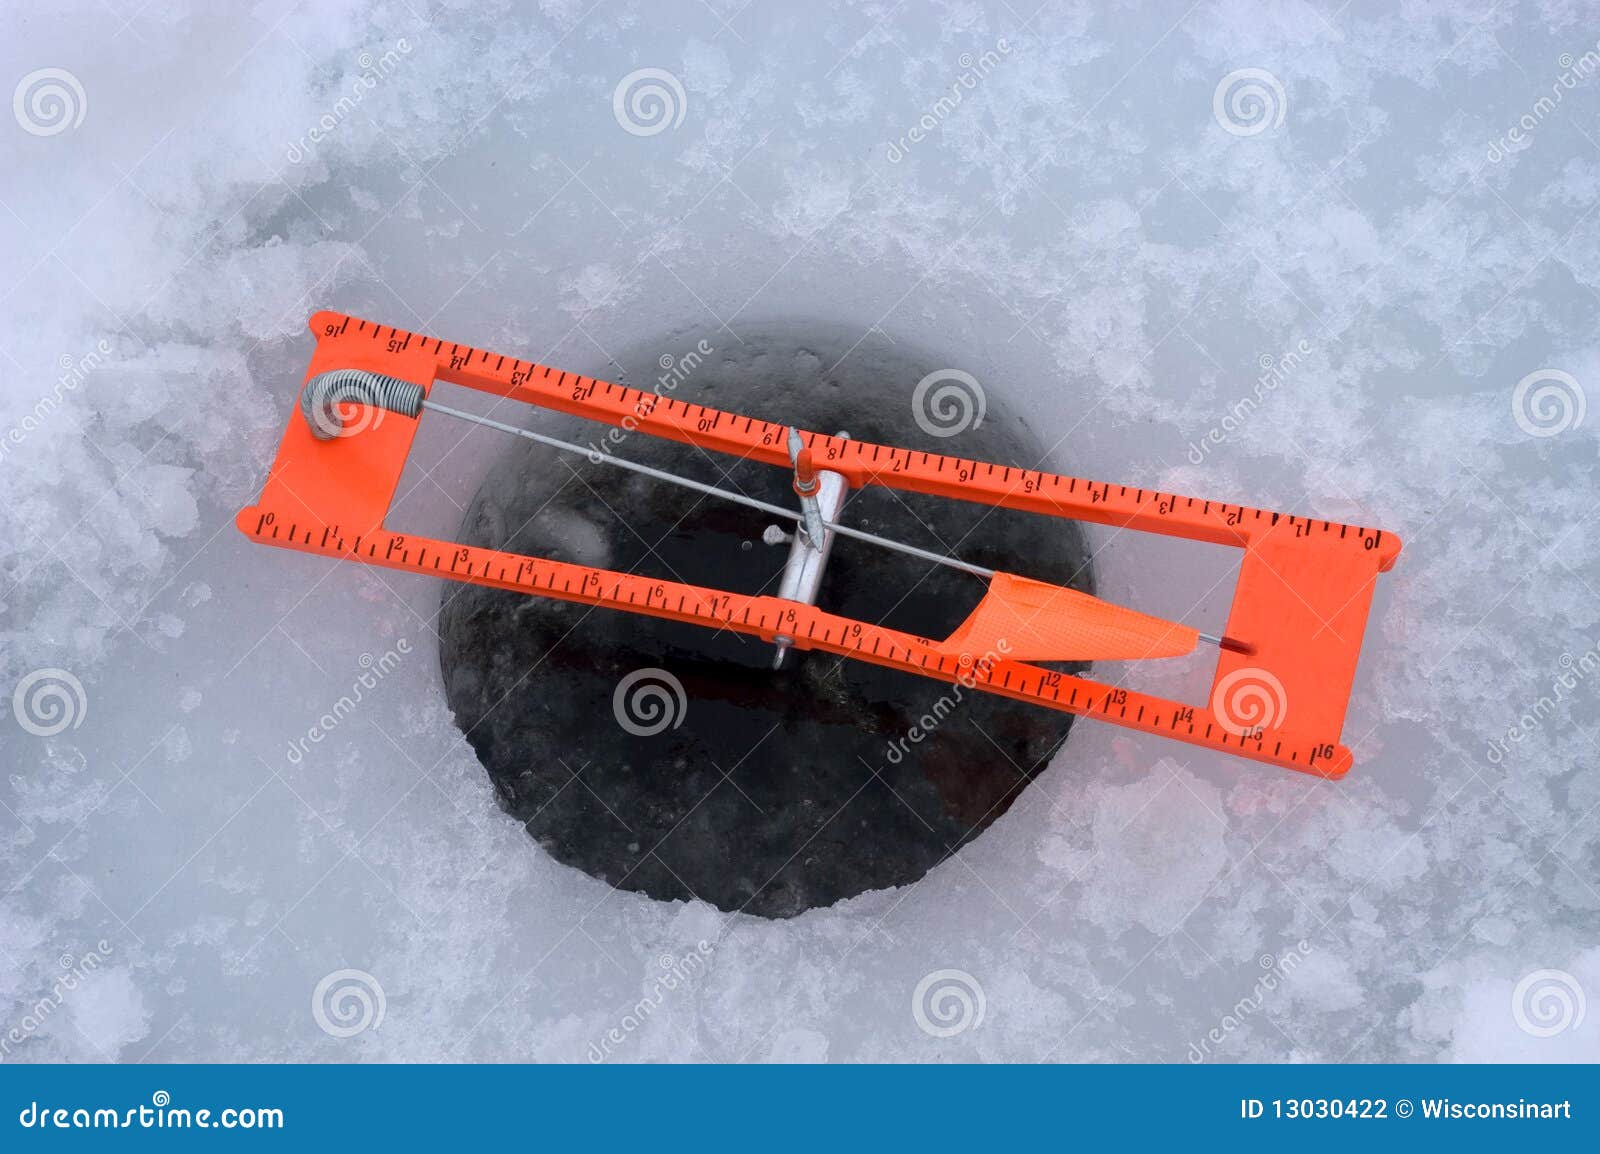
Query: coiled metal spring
[323, 393]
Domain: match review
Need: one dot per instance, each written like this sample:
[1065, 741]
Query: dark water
[775, 792]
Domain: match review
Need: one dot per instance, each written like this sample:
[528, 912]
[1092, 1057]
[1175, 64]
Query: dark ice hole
[774, 792]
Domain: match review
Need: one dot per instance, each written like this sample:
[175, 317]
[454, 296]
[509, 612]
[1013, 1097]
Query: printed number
[1330, 1108]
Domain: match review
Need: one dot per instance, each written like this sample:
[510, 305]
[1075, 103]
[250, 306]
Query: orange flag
[1020, 619]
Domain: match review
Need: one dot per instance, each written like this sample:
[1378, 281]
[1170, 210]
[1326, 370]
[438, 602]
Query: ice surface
[1091, 228]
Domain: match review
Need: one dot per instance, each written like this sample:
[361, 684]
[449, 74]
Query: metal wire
[708, 490]
[327, 390]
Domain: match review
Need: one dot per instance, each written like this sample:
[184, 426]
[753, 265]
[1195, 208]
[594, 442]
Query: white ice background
[1084, 227]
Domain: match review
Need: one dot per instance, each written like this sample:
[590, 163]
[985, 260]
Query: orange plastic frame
[1302, 597]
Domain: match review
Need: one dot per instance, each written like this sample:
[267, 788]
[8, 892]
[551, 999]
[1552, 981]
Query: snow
[1080, 232]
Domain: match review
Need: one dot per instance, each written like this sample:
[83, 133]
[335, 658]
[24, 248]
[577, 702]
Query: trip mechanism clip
[822, 495]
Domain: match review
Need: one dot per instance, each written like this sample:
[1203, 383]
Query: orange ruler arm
[1302, 599]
